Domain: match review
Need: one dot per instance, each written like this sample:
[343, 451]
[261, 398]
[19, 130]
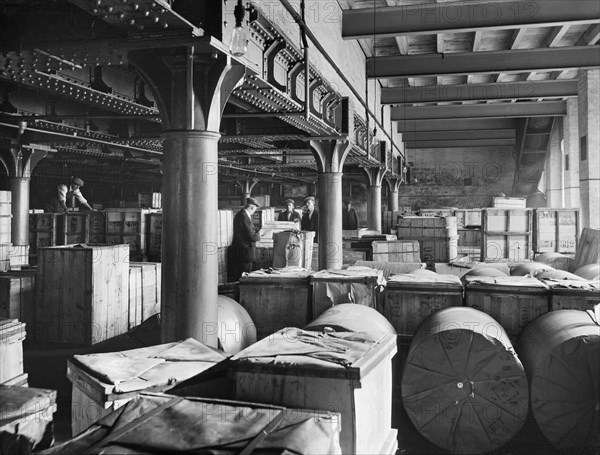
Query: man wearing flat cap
[245, 236]
[310, 219]
[57, 199]
[289, 214]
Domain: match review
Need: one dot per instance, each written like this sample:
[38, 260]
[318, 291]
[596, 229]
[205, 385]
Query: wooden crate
[443, 212]
[82, 294]
[396, 251]
[514, 247]
[94, 395]
[150, 200]
[416, 227]
[573, 294]
[5, 228]
[439, 249]
[135, 242]
[208, 425]
[223, 264]
[509, 202]
[43, 231]
[278, 300]
[507, 221]
[468, 218]
[144, 291]
[18, 256]
[360, 390]
[97, 223]
[155, 236]
[470, 237]
[126, 221]
[26, 422]
[262, 216]
[225, 227]
[73, 227]
[293, 248]
[512, 301]
[555, 230]
[12, 334]
[388, 220]
[350, 256]
[410, 299]
[270, 228]
[17, 297]
[263, 258]
[332, 287]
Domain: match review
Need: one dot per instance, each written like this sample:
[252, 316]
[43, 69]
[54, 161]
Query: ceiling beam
[507, 61]
[455, 124]
[460, 143]
[428, 19]
[496, 110]
[458, 135]
[474, 92]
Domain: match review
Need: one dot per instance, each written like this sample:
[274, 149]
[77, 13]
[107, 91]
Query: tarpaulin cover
[138, 369]
[435, 281]
[521, 283]
[556, 275]
[332, 287]
[463, 386]
[292, 346]
[168, 424]
[561, 354]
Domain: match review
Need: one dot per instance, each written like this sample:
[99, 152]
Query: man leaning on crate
[57, 199]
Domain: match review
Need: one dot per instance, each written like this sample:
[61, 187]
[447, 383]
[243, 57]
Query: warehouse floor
[47, 369]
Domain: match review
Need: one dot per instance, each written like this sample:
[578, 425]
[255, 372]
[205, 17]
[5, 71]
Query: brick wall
[459, 177]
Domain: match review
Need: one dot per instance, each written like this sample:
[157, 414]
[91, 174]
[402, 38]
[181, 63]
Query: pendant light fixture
[239, 43]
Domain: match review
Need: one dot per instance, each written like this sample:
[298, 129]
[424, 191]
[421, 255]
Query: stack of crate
[5, 221]
[12, 334]
[225, 237]
[437, 236]
[555, 230]
[17, 297]
[507, 234]
[150, 200]
[470, 235]
[43, 231]
[128, 226]
[509, 202]
[97, 227]
[154, 236]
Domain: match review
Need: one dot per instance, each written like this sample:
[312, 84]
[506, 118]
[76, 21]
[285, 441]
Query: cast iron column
[191, 88]
[189, 247]
[375, 176]
[20, 160]
[330, 156]
[393, 185]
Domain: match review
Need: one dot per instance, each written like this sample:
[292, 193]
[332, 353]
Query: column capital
[330, 154]
[375, 175]
[19, 159]
[190, 87]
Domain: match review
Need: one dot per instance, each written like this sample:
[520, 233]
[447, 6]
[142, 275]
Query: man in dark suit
[310, 220]
[245, 236]
[349, 217]
[290, 214]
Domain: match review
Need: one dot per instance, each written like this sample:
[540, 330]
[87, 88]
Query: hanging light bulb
[374, 138]
[239, 44]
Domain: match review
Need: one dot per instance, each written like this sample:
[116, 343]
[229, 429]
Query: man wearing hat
[57, 200]
[349, 217]
[290, 214]
[310, 219]
[245, 236]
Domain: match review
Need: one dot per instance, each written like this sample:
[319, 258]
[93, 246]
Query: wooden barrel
[463, 386]
[350, 317]
[236, 329]
[561, 354]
